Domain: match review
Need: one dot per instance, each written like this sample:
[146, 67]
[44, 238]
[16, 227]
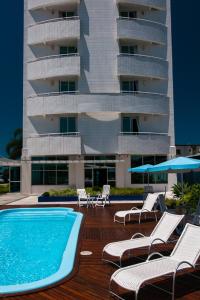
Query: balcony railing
[54, 66]
[143, 133]
[54, 30]
[54, 144]
[143, 143]
[142, 65]
[38, 4]
[156, 4]
[141, 30]
[73, 102]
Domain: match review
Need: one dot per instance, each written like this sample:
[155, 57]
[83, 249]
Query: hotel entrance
[100, 170]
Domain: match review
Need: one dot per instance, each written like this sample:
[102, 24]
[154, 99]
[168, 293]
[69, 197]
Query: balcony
[142, 30]
[143, 143]
[143, 66]
[138, 102]
[54, 30]
[38, 4]
[156, 4]
[53, 67]
[54, 144]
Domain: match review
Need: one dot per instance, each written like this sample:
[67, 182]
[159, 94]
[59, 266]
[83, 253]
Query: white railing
[70, 134]
[143, 133]
[143, 55]
[143, 20]
[54, 20]
[89, 94]
[52, 57]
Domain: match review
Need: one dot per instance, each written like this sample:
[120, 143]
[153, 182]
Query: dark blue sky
[186, 51]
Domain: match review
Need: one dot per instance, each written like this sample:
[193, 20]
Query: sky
[186, 57]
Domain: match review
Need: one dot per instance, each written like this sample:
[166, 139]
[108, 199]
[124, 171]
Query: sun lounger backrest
[106, 190]
[166, 226]
[81, 193]
[188, 245]
[150, 202]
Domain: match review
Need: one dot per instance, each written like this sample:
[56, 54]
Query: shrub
[179, 190]
[4, 188]
[95, 191]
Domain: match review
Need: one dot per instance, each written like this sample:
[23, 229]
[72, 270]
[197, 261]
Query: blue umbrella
[141, 169]
[177, 165]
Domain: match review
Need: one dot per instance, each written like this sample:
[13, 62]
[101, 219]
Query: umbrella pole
[148, 179]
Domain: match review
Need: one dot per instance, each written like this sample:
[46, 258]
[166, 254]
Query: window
[157, 178]
[129, 125]
[68, 125]
[50, 174]
[129, 49]
[128, 14]
[66, 14]
[67, 86]
[129, 86]
[68, 50]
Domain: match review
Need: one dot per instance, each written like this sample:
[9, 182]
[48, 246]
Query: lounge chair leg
[173, 286]
[136, 295]
[139, 218]
[156, 217]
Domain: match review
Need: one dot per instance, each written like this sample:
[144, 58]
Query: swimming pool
[37, 247]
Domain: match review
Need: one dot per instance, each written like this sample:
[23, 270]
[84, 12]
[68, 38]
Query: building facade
[98, 92]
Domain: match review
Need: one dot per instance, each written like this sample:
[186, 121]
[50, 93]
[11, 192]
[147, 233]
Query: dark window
[68, 125]
[66, 14]
[129, 49]
[152, 178]
[68, 50]
[130, 124]
[49, 174]
[67, 86]
[128, 14]
[129, 86]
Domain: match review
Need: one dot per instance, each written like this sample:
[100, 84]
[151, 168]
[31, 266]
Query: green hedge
[4, 188]
[95, 191]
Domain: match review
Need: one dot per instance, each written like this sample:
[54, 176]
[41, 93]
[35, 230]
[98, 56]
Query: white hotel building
[98, 92]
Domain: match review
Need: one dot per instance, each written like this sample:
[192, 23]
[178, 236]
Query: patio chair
[160, 235]
[83, 197]
[185, 255]
[148, 206]
[103, 198]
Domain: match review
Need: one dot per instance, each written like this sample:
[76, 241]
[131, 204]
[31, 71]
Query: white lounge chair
[83, 197]
[103, 198]
[147, 208]
[159, 235]
[185, 255]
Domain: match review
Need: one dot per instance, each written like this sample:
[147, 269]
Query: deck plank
[92, 277]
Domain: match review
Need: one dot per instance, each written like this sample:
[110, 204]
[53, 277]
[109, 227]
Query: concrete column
[26, 177]
[80, 174]
[123, 178]
[72, 174]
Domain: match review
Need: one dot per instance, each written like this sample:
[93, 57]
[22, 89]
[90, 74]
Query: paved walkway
[10, 197]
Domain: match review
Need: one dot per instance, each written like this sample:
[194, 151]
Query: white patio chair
[185, 255]
[148, 206]
[83, 197]
[160, 235]
[103, 198]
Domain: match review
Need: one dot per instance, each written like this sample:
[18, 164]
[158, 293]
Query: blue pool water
[37, 247]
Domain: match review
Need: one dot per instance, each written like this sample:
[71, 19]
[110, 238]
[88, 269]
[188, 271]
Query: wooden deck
[91, 278]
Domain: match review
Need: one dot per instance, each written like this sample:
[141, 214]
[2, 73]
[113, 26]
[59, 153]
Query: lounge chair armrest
[134, 208]
[158, 239]
[145, 210]
[183, 263]
[137, 234]
[153, 254]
